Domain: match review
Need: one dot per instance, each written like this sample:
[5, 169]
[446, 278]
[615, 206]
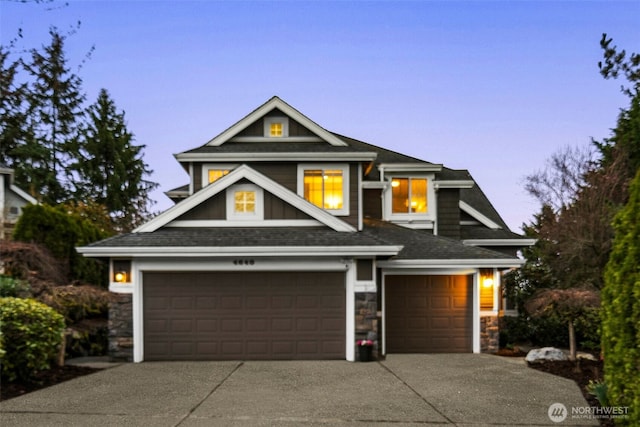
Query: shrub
[31, 337]
[11, 287]
[61, 230]
[621, 310]
[76, 303]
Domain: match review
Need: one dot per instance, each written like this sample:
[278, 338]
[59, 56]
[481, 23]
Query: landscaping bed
[44, 379]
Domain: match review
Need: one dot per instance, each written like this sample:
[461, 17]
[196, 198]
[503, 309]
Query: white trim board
[287, 109]
[257, 178]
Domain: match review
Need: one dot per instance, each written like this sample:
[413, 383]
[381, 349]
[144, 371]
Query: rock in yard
[538, 355]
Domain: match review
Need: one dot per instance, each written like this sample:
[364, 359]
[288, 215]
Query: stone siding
[366, 319]
[489, 334]
[121, 328]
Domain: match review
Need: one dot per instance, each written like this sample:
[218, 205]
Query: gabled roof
[270, 105]
[6, 170]
[245, 172]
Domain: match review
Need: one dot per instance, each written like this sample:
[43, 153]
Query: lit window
[324, 188]
[216, 174]
[408, 195]
[245, 202]
[275, 130]
[276, 127]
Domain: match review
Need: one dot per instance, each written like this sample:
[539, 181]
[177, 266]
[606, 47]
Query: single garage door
[240, 316]
[428, 314]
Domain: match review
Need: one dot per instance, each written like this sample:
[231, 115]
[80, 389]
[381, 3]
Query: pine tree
[54, 111]
[11, 113]
[110, 169]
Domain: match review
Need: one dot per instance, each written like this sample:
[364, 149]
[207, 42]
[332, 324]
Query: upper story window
[408, 195]
[245, 202]
[211, 172]
[410, 198]
[216, 174]
[326, 186]
[276, 127]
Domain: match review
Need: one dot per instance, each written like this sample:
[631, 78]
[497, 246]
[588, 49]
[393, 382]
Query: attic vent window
[276, 127]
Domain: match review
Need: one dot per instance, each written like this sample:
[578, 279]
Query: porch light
[487, 282]
[121, 271]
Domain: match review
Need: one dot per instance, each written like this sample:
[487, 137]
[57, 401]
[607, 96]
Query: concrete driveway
[404, 390]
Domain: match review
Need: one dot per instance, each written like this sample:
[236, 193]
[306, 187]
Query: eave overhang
[409, 167]
[454, 184]
[245, 251]
[276, 157]
[500, 242]
[451, 263]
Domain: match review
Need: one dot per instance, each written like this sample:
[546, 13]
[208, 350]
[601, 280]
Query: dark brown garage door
[240, 316]
[428, 314]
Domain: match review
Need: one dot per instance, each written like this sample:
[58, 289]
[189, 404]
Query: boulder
[538, 355]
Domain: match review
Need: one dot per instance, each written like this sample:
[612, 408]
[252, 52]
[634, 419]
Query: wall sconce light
[487, 282]
[122, 271]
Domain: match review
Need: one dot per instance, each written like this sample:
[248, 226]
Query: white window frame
[214, 166]
[268, 121]
[257, 215]
[344, 167]
[429, 215]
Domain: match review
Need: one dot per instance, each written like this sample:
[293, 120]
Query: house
[293, 242]
[12, 200]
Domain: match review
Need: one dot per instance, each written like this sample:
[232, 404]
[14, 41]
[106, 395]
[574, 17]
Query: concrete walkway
[404, 390]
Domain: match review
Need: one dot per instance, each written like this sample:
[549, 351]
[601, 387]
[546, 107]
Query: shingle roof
[418, 245]
[270, 147]
[422, 245]
[241, 237]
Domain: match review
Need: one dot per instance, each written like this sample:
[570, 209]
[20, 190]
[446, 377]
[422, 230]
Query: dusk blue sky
[492, 87]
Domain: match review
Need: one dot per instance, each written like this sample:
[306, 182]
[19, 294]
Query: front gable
[296, 127]
[285, 207]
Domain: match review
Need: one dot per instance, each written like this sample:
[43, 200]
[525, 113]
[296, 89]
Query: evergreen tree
[110, 168]
[54, 111]
[621, 310]
[11, 101]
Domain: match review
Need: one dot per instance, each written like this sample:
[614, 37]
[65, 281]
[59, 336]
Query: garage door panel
[206, 325]
[209, 316]
[444, 325]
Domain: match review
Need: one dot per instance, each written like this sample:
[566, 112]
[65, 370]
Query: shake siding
[213, 208]
[197, 177]
[285, 174]
[449, 212]
[372, 203]
[275, 208]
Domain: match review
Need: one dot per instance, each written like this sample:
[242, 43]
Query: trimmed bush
[11, 287]
[31, 337]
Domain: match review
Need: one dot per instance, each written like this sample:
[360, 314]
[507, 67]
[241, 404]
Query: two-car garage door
[240, 316]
